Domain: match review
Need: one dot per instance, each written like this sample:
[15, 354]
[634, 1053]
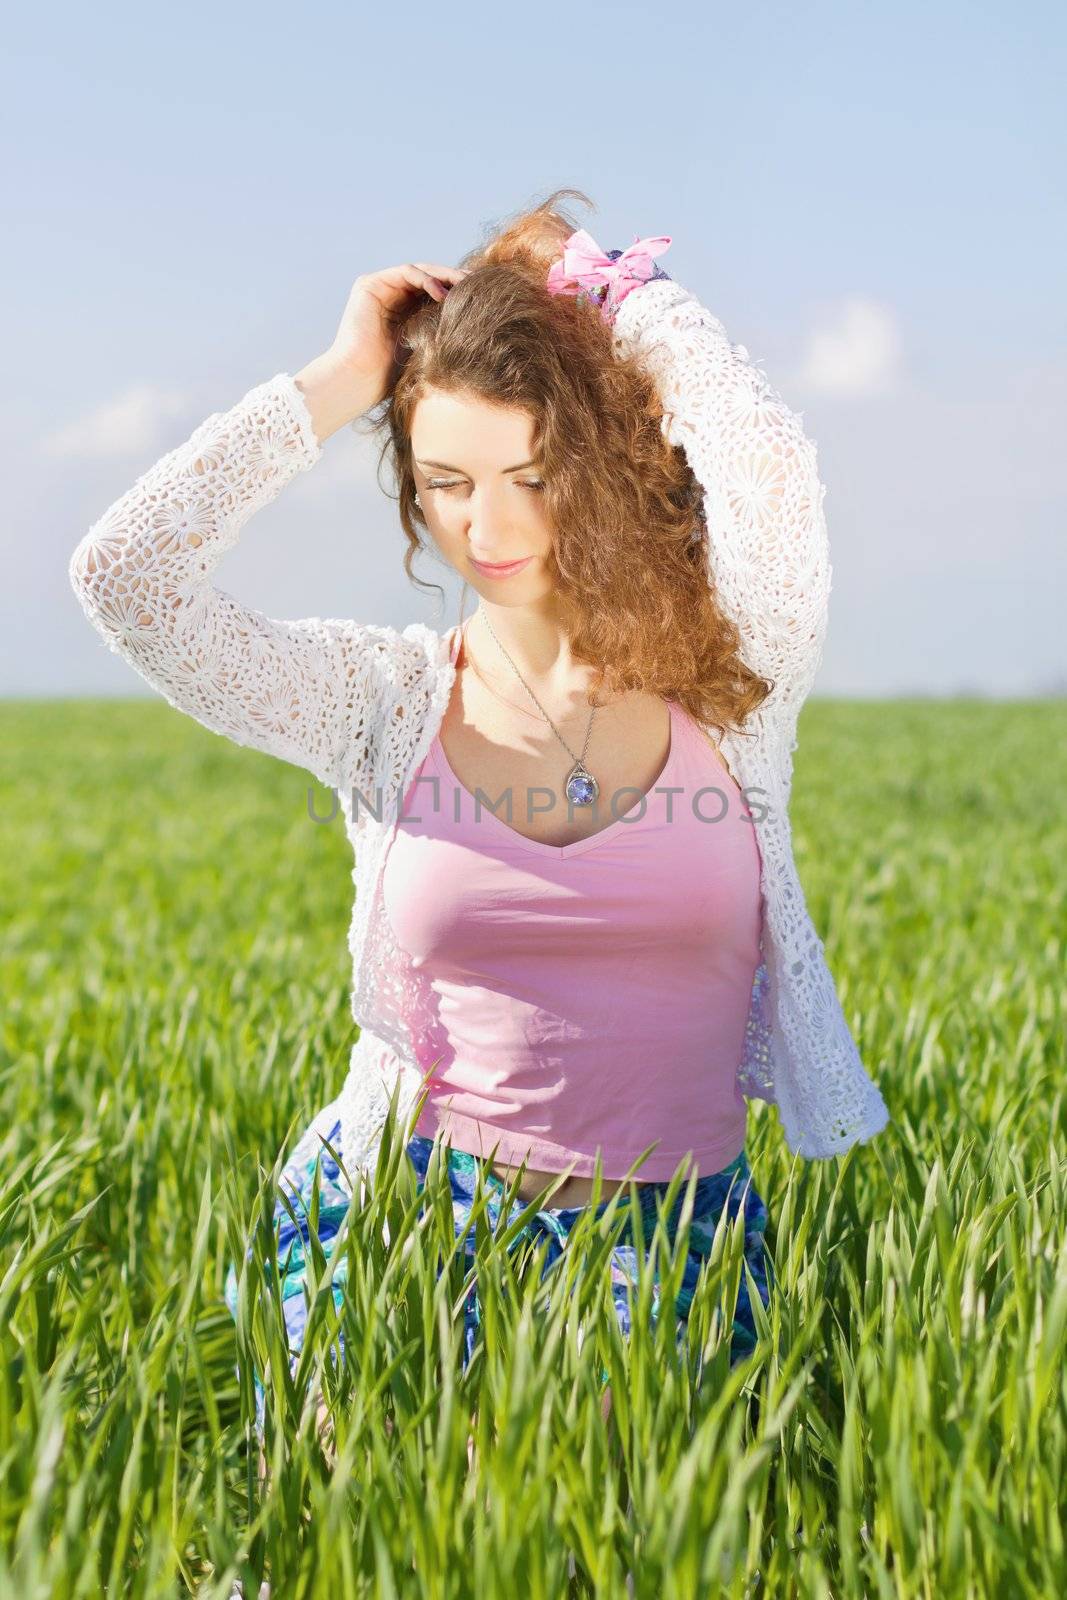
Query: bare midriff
[573, 1191]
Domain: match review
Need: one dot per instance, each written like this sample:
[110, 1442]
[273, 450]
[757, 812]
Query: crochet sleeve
[296, 690]
[763, 498]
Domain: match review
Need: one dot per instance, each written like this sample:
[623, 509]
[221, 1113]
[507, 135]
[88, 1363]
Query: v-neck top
[584, 997]
[484, 814]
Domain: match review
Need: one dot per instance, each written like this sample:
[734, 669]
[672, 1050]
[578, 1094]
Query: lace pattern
[358, 705]
[762, 495]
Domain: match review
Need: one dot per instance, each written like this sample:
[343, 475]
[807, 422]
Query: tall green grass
[175, 1009]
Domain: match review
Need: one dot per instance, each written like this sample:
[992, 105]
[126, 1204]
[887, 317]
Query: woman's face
[481, 493]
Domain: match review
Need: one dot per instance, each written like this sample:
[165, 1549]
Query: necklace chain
[580, 786]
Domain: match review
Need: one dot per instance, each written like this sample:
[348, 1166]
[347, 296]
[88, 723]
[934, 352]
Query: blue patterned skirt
[731, 1190]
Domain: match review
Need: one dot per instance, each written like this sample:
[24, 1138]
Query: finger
[440, 271]
[420, 276]
[442, 276]
[411, 278]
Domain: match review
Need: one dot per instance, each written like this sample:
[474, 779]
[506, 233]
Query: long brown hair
[630, 542]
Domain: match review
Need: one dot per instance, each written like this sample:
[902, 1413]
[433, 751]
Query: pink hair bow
[584, 267]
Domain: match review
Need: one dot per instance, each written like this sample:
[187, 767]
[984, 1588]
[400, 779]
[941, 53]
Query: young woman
[578, 934]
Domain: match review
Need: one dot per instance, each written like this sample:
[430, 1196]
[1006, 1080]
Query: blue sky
[870, 198]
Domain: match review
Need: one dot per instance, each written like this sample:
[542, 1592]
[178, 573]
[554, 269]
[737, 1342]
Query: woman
[578, 944]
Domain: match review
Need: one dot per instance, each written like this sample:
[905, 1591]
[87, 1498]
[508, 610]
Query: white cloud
[136, 423]
[855, 352]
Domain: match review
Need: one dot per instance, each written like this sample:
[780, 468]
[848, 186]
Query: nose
[488, 533]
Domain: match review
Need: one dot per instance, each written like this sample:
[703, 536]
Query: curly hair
[630, 557]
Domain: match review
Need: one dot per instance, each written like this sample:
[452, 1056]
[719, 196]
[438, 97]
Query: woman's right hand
[365, 342]
[356, 372]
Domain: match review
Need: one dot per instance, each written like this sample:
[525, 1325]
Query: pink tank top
[588, 996]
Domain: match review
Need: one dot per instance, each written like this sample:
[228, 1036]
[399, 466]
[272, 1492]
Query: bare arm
[332, 399]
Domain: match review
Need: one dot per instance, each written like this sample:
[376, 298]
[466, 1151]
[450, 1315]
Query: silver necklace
[581, 788]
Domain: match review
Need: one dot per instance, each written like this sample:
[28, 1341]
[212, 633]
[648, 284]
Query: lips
[500, 569]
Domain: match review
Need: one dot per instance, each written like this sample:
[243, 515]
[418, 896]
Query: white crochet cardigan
[358, 704]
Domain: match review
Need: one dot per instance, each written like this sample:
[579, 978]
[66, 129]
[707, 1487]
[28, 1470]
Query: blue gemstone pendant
[582, 788]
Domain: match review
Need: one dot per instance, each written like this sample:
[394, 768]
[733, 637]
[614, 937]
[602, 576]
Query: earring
[418, 502]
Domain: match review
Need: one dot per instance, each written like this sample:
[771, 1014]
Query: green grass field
[175, 983]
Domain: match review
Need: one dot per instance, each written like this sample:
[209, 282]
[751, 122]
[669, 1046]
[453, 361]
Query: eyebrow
[444, 466]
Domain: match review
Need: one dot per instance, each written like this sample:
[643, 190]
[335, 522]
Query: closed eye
[457, 485]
